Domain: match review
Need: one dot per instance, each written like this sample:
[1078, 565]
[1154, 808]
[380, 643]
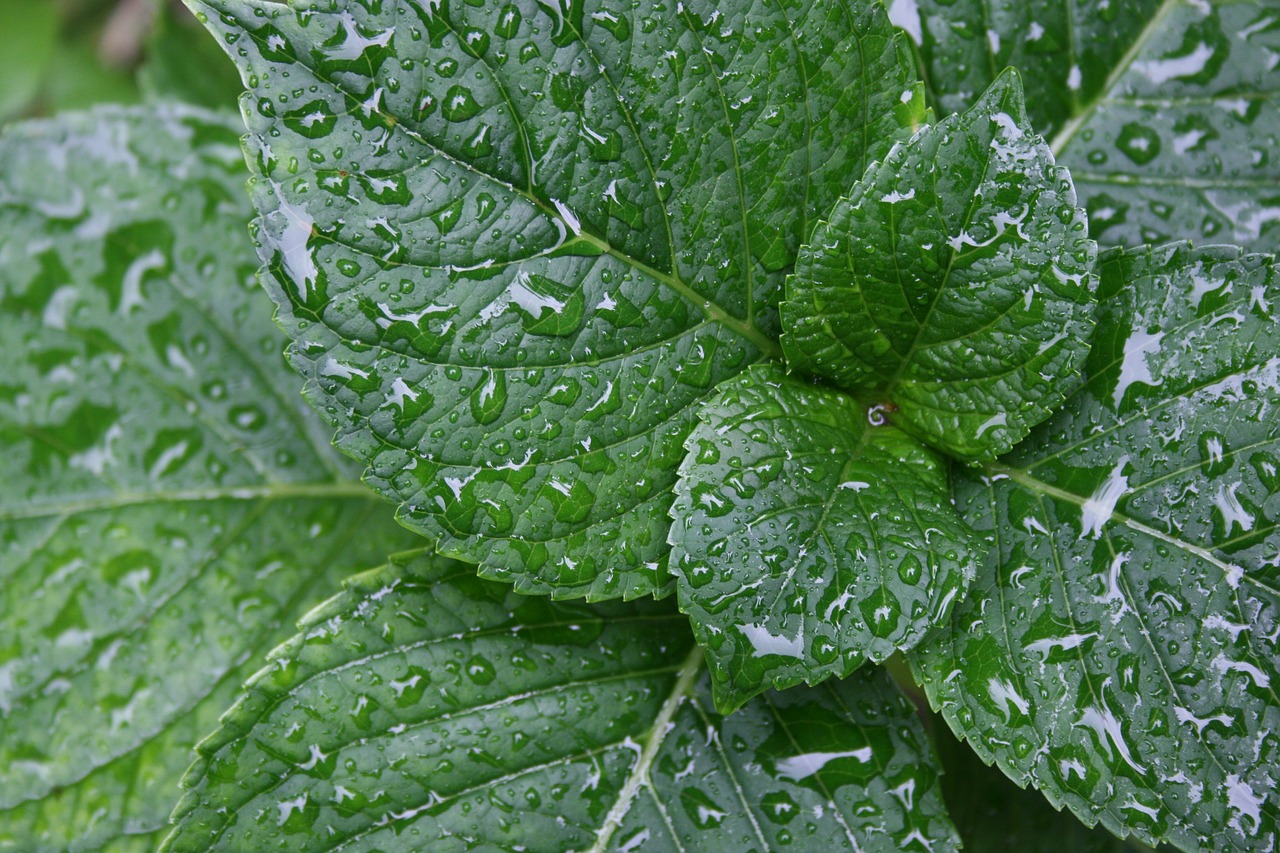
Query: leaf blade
[621, 715]
[954, 285]
[807, 542]
[1162, 544]
[165, 499]
[659, 278]
[1162, 110]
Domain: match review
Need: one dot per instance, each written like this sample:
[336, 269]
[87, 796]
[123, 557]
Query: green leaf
[167, 506]
[956, 281]
[1064, 51]
[516, 246]
[30, 32]
[992, 813]
[1181, 145]
[807, 541]
[428, 708]
[1119, 649]
[1166, 113]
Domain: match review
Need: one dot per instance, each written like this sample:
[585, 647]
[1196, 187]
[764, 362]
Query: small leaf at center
[957, 278]
[808, 541]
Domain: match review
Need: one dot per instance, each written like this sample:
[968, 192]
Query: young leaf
[807, 541]
[428, 707]
[956, 281]
[517, 246]
[1163, 111]
[1119, 649]
[166, 506]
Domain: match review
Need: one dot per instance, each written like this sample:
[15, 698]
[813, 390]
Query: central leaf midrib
[712, 309]
[270, 491]
[905, 363]
[657, 734]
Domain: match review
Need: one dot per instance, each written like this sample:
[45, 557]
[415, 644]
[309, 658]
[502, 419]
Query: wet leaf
[1119, 649]
[1183, 144]
[807, 541]
[1064, 51]
[1167, 113]
[954, 284]
[428, 708]
[992, 813]
[516, 246]
[167, 506]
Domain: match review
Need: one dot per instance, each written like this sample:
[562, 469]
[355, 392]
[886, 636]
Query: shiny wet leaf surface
[1167, 113]
[517, 245]
[808, 541]
[1118, 650]
[954, 286]
[169, 504]
[424, 708]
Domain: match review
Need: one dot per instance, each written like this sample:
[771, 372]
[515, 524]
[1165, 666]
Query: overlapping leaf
[167, 506]
[954, 285]
[428, 708]
[1182, 144]
[1167, 113]
[1064, 51]
[1119, 649]
[517, 244]
[993, 814]
[807, 541]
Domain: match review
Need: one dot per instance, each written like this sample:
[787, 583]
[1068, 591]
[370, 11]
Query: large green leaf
[1065, 51]
[993, 814]
[30, 32]
[1119, 649]
[517, 243]
[1167, 113]
[425, 708]
[806, 540]
[1183, 143]
[954, 286]
[168, 508]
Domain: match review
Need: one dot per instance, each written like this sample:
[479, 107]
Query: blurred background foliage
[75, 53]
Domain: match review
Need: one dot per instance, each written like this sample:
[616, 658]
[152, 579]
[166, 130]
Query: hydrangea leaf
[806, 540]
[1119, 648]
[1167, 113]
[1064, 51]
[516, 245]
[1182, 143]
[168, 508]
[992, 813]
[427, 707]
[956, 280]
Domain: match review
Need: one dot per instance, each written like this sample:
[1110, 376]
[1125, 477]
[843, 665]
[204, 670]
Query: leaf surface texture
[517, 245]
[168, 508]
[954, 286]
[1118, 650]
[428, 707]
[807, 541]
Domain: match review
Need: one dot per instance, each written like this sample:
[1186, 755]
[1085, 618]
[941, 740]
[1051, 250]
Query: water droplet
[489, 397]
